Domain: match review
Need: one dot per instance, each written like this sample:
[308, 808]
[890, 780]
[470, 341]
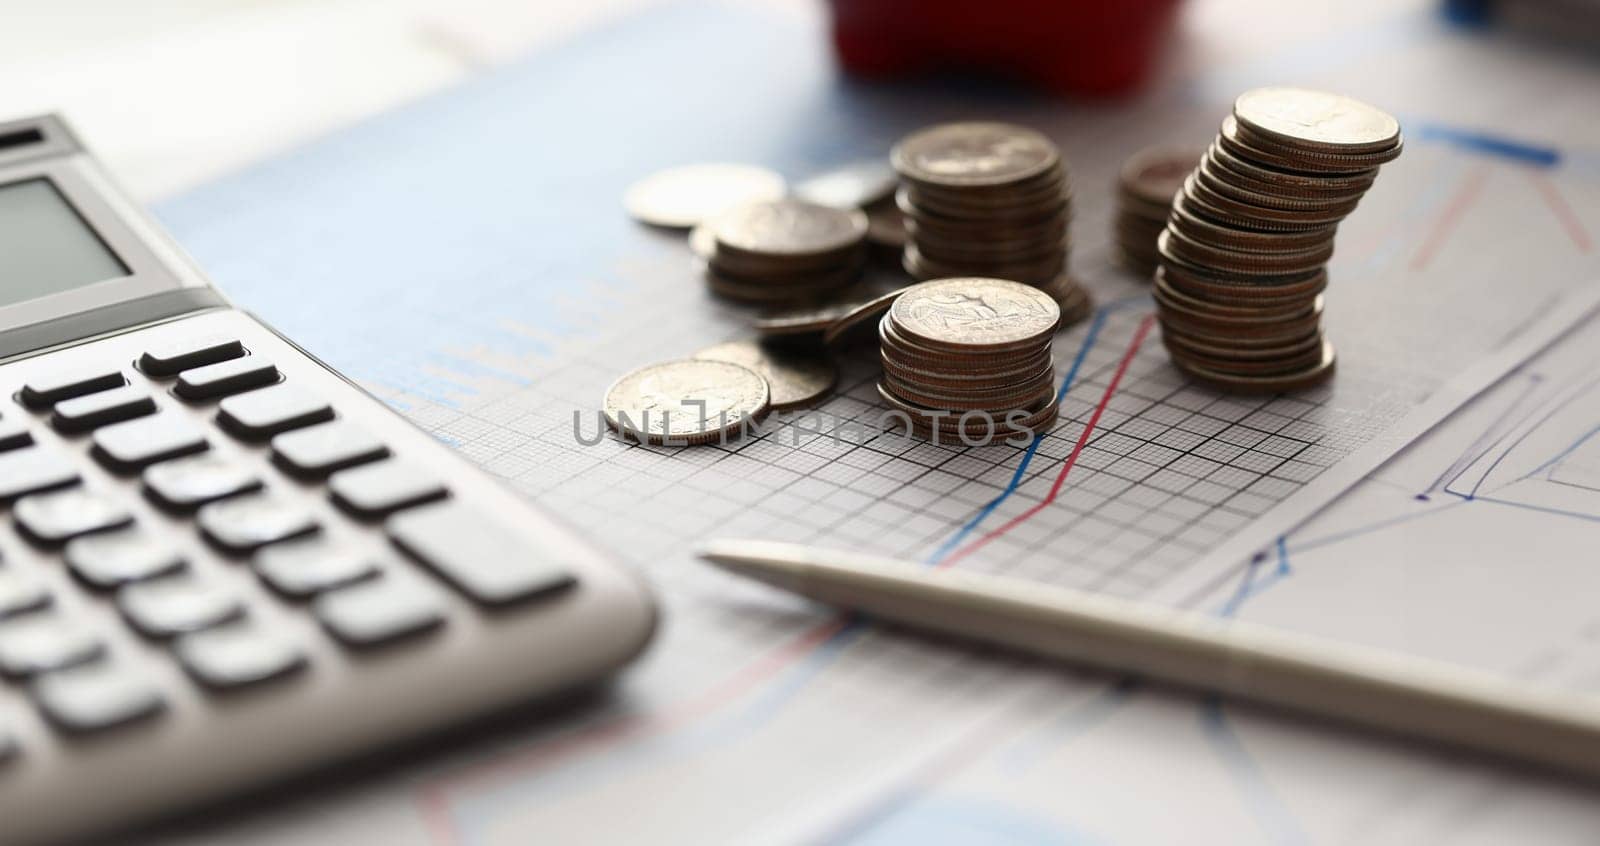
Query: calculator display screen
[45, 246]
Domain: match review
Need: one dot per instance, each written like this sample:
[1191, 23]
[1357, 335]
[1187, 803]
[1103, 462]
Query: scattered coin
[970, 357]
[685, 402]
[858, 185]
[1242, 258]
[1146, 184]
[682, 197]
[794, 379]
[983, 200]
[791, 321]
[862, 316]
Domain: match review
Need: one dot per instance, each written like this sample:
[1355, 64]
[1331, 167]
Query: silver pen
[1402, 695]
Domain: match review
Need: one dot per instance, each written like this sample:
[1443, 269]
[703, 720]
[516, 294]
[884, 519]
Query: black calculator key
[307, 567]
[34, 469]
[226, 377]
[483, 558]
[95, 410]
[248, 523]
[265, 412]
[46, 390]
[136, 444]
[97, 696]
[20, 593]
[378, 490]
[325, 448]
[174, 606]
[55, 518]
[121, 557]
[38, 643]
[379, 611]
[171, 359]
[14, 435]
[238, 655]
[185, 484]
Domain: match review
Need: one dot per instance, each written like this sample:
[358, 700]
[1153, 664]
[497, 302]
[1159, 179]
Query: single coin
[802, 320]
[681, 197]
[688, 401]
[1318, 120]
[703, 240]
[794, 379]
[853, 186]
[975, 313]
[857, 320]
[974, 154]
[790, 229]
[1154, 174]
[1274, 384]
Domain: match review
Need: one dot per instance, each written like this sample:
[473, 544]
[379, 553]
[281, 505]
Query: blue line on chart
[1560, 456]
[1472, 454]
[1584, 389]
[1270, 812]
[1089, 339]
[1487, 144]
[1250, 586]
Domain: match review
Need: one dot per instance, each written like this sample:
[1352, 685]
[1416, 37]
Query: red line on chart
[1564, 213]
[1072, 458]
[433, 798]
[1449, 218]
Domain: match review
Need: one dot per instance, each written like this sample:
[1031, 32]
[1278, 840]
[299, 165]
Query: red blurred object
[1083, 47]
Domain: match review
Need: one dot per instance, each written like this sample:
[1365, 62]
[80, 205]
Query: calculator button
[32, 470]
[95, 410]
[238, 655]
[168, 607]
[307, 567]
[226, 377]
[38, 643]
[378, 490]
[379, 611]
[248, 523]
[185, 484]
[171, 359]
[14, 435]
[483, 558]
[136, 444]
[97, 696]
[324, 448]
[266, 412]
[55, 518]
[118, 558]
[46, 390]
[20, 594]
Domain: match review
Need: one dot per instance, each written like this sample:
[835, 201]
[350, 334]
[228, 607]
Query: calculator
[224, 563]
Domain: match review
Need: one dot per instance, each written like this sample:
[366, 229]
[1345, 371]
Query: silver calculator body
[223, 564]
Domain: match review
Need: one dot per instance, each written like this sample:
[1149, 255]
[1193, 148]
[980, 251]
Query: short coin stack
[785, 250]
[1244, 253]
[1145, 187]
[986, 199]
[968, 359]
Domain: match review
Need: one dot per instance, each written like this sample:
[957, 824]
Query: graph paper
[467, 260]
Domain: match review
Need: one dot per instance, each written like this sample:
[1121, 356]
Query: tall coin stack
[990, 200]
[1145, 187]
[968, 360]
[1244, 253]
[785, 250]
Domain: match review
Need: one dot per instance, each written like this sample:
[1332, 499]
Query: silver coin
[790, 228]
[974, 155]
[682, 197]
[975, 313]
[794, 378]
[690, 401]
[1318, 120]
[853, 186]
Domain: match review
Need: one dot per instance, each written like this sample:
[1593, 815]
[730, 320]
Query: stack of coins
[968, 359]
[868, 186]
[1244, 253]
[785, 250]
[985, 199]
[1145, 188]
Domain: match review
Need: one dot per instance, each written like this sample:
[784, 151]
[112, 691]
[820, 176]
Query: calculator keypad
[230, 499]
